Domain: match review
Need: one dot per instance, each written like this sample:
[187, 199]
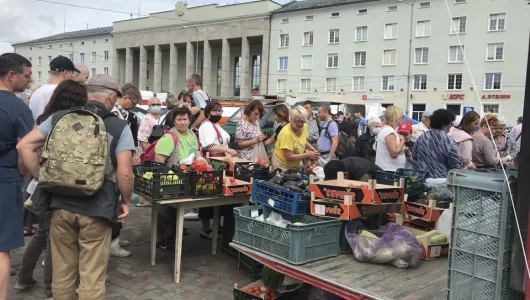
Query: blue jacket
[436, 153]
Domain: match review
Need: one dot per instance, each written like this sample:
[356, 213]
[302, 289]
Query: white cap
[457, 120]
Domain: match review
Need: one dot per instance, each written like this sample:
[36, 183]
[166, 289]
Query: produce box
[158, 182]
[431, 251]
[252, 171]
[232, 186]
[348, 210]
[250, 291]
[429, 213]
[280, 198]
[207, 183]
[229, 163]
[360, 192]
[414, 180]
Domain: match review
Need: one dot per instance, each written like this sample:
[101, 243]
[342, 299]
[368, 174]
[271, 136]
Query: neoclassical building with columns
[227, 45]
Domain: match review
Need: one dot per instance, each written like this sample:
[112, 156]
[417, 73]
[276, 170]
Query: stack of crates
[482, 235]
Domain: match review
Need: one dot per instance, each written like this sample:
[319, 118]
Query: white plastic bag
[188, 160]
[444, 223]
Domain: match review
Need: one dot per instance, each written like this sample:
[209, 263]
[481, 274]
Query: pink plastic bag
[259, 154]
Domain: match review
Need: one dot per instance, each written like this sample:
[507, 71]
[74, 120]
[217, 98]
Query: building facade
[92, 47]
[227, 45]
[361, 48]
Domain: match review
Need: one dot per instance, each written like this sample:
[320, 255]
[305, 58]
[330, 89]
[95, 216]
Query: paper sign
[254, 213]
[320, 209]
[271, 203]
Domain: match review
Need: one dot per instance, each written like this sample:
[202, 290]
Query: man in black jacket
[354, 168]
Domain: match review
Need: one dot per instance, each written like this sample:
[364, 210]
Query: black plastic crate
[245, 173]
[230, 251]
[249, 267]
[160, 184]
[207, 183]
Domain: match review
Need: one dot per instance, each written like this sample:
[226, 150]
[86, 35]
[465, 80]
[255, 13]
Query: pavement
[204, 276]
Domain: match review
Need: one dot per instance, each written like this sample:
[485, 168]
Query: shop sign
[502, 96]
[453, 97]
[468, 108]
[373, 97]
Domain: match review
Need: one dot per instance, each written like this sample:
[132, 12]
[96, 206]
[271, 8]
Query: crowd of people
[79, 235]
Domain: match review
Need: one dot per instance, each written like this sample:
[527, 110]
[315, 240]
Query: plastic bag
[259, 154]
[444, 223]
[397, 246]
[188, 160]
[438, 186]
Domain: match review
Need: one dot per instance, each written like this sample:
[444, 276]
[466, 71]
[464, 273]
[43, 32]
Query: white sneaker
[191, 216]
[116, 250]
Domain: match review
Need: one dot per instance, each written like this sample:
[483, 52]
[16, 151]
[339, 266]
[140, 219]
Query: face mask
[215, 119]
[375, 131]
[156, 109]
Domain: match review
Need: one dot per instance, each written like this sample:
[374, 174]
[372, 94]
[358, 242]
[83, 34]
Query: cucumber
[294, 188]
[291, 177]
[289, 183]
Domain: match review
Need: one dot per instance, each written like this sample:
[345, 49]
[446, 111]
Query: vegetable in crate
[277, 179]
[291, 176]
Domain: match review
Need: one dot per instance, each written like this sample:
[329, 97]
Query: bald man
[83, 76]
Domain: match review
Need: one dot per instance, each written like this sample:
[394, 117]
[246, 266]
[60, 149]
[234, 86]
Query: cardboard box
[229, 162]
[430, 251]
[347, 210]
[237, 188]
[429, 213]
[360, 192]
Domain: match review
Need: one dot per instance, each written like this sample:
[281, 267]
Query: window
[335, 14]
[60, 45]
[93, 42]
[39, 75]
[82, 57]
[237, 76]
[497, 22]
[256, 72]
[147, 72]
[493, 81]
[389, 57]
[30, 59]
[420, 82]
[391, 31]
[40, 61]
[386, 105]
[309, 18]
[495, 51]
[423, 28]
[331, 84]
[387, 83]
[305, 85]
[307, 62]
[106, 40]
[454, 81]
[82, 43]
[333, 36]
[93, 57]
[418, 110]
[425, 4]
[361, 34]
[456, 54]
[282, 86]
[454, 108]
[283, 63]
[106, 55]
[106, 71]
[459, 25]
[93, 72]
[333, 60]
[392, 8]
[460, 1]
[359, 59]
[49, 46]
[285, 21]
[284, 40]
[50, 59]
[30, 48]
[357, 84]
[491, 108]
[308, 38]
[71, 57]
[421, 55]
[362, 11]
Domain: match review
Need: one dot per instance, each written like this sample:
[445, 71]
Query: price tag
[271, 202]
[254, 213]
[435, 251]
[320, 209]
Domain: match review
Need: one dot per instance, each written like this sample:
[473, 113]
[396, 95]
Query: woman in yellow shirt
[291, 143]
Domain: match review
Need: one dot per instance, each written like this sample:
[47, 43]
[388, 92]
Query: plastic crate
[482, 235]
[158, 187]
[297, 244]
[280, 198]
[243, 173]
[413, 186]
[249, 267]
[207, 183]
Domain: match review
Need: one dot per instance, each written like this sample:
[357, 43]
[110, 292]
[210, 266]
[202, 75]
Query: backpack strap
[518, 137]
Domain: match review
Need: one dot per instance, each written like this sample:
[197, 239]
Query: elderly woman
[151, 119]
[364, 147]
[484, 154]
[213, 138]
[500, 139]
[291, 143]
[462, 134]
[390, 154]
[435, 151]
[248, 132]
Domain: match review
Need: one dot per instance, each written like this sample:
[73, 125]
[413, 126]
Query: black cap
[61, 63]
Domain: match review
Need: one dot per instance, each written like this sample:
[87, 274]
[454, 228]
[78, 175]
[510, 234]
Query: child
[405, 129]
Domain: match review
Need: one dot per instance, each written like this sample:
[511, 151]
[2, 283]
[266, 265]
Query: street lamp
[197, 50]
[410, 51]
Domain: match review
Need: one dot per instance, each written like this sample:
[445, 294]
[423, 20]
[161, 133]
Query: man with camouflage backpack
[88, 159]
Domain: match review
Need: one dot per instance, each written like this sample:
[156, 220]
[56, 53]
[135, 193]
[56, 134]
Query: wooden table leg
[154, 230]
[178, 242]
[215, 229]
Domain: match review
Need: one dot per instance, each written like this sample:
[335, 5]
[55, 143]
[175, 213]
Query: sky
[24, 20]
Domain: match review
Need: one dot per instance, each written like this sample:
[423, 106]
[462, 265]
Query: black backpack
[159, 129]
[343, 139]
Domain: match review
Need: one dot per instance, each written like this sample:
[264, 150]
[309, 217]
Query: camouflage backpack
[76, 154]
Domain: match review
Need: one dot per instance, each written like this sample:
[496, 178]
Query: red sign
[454, 97]
[505, 96]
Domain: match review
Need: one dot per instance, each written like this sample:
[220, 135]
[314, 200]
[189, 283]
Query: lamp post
[410, 51]
[197, 50]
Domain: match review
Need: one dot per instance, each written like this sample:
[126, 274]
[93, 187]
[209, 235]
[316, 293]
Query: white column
[128, 65]
[115, 66]
[142, 77]
[190, 59]
[263, 86]
[245, 69]
[207, 68]
[157, 70]
[173, 59]
[225, 71]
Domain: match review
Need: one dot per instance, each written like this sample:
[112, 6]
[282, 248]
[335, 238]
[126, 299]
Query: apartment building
[92, 47]
[361, 48]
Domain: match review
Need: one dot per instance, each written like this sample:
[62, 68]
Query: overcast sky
[24, 20]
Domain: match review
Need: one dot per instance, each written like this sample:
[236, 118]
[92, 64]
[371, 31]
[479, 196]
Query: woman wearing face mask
[248, 132]
[484, 154]
[365, 144]
[281, 116]
[462, 134]
[151, 119]
[212, 137]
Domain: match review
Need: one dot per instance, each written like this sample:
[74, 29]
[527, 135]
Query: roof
[70, 35]
[314, 4]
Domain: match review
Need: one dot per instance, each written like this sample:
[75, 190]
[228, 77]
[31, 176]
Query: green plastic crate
[297, 244]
